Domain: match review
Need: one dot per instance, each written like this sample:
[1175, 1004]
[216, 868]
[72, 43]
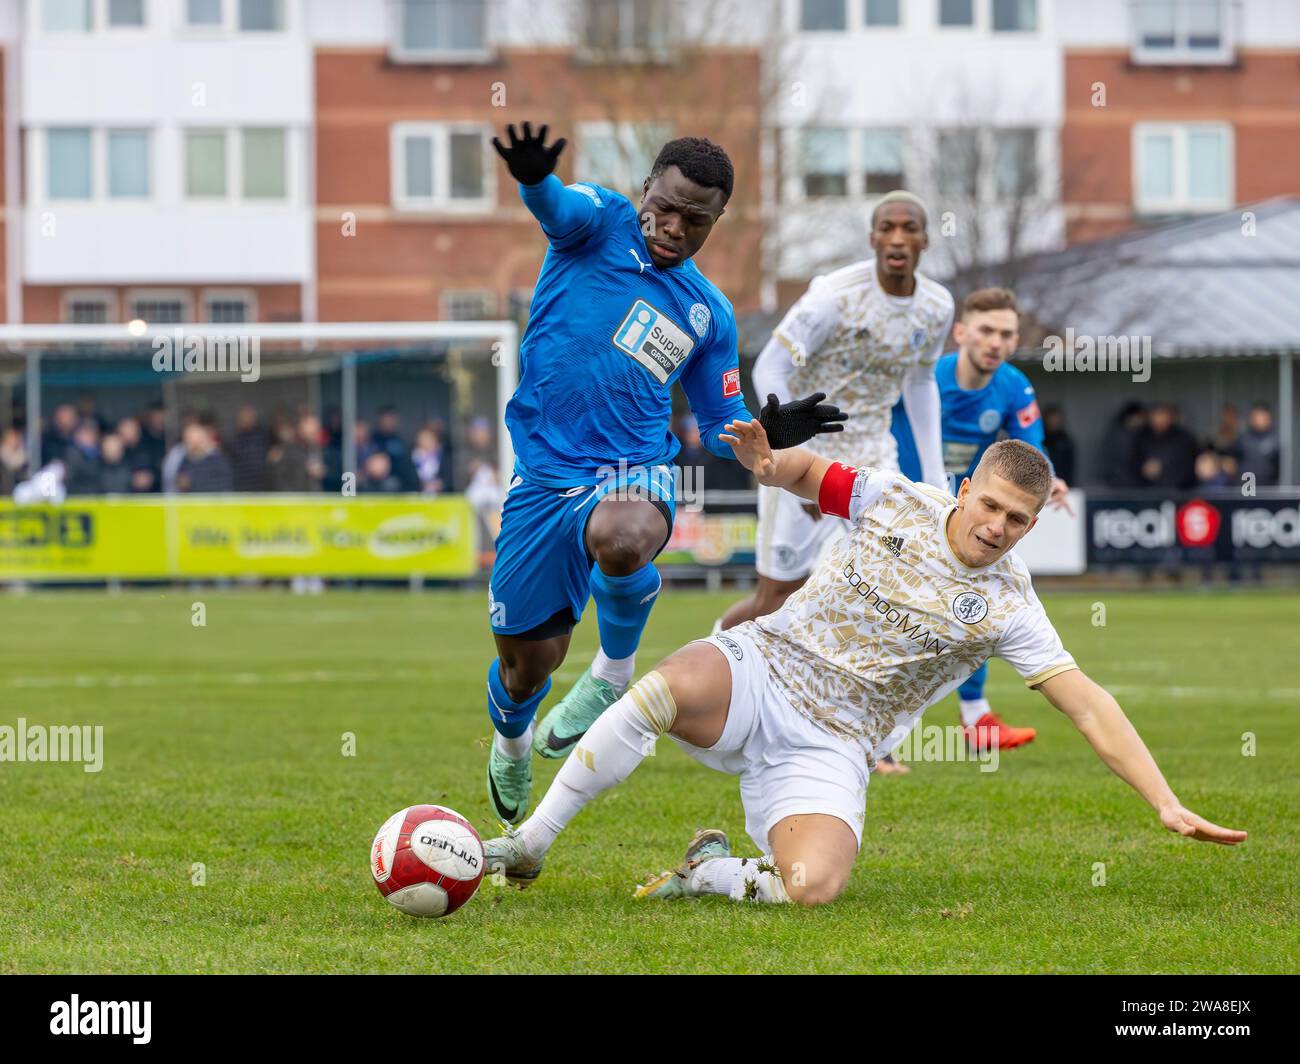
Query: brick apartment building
[285, 160]
[1175, 108]
[416, 216]
[281, 160]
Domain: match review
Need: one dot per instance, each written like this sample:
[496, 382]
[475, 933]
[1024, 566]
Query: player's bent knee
[524, 677]
[624, 536]
[813, 887]
[622, 551]
[622, 555]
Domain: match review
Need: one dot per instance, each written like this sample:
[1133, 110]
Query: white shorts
[787, 764]
[789, 541]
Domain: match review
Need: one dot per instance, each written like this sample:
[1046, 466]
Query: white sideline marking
[240, 678]
[1203, 692]
[560, 677]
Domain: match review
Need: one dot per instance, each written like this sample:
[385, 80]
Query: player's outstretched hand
[1060, 497]
[529, 159]
[796, 422]
[1185, 822]
[749, 441]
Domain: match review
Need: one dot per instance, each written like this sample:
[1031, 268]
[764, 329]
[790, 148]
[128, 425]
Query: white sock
[615, 671]
[622, 737]
[515, 748]
[972, 711]
[741, 878]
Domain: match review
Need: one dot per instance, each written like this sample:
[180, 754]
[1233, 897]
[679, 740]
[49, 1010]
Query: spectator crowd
[1150, 448]
[286, 454]
[1147, 448]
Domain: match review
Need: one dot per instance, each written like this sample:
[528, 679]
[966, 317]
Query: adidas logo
[893, 544]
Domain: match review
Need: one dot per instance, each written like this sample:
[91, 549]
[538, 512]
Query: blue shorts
[542, 565]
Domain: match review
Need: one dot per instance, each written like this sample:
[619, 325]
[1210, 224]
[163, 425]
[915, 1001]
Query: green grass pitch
[224, 748]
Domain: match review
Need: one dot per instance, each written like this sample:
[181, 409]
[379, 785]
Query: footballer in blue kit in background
[981, 396]
[619, 314]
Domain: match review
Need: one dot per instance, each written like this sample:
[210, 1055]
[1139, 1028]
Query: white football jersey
[891, 621]
[855, 342]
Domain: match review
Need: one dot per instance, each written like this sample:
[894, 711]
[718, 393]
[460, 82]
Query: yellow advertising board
[239, 535]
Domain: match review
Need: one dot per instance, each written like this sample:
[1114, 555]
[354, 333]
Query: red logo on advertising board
[1198, 524]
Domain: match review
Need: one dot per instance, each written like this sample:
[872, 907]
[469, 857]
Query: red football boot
[989, 731]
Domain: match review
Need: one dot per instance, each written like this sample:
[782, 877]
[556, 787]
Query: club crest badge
[970, 607]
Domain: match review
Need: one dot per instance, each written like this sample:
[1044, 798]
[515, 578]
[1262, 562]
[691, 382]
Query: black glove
[529, 159]
[796, 422]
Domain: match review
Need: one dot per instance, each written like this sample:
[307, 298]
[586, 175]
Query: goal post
[282, 349]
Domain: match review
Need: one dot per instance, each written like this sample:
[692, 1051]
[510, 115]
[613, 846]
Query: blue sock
[509, 717]
[623, 605]
[973, 689]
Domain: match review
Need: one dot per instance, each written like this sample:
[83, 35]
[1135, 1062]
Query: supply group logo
[654, 340]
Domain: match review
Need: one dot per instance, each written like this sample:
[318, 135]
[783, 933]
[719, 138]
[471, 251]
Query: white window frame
[99, 26]
[38, 163]
[1004, 34]
[39, 160]
[234, 196]
[229, 25]
[991, 193]
[399, 53]
[247, 296]
[792, 146]
[627, 136]
[1179, 203]
[107, 296]
[440, 202]
[100, 156]
[980, 19]
[986, 178]
[859, 8]
[1180, 54]
[102, 24]
[36, 23]
[851, 8]
[160, 295]
[630, 53]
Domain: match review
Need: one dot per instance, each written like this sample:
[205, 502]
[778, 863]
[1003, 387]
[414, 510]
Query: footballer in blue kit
[619, 314]
[981, 396]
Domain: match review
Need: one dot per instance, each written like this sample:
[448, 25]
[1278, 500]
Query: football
[427, 860]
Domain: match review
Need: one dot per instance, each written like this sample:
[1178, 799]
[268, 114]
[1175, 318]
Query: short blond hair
[901, 196]
[1022, 464]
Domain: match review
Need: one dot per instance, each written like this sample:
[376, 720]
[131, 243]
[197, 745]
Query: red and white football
[427, 860]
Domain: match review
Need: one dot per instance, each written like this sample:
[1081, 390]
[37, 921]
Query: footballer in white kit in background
[864, 334]
[798, 704]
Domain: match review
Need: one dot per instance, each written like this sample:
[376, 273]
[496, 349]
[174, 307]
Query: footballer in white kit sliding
[865, 335]
[800, 703]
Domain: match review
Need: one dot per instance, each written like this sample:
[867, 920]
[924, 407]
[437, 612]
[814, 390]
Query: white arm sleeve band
[921, 401]
[772, 372]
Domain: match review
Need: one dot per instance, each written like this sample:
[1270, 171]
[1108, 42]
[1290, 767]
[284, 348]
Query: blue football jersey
[609, 333]
[972, 420]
